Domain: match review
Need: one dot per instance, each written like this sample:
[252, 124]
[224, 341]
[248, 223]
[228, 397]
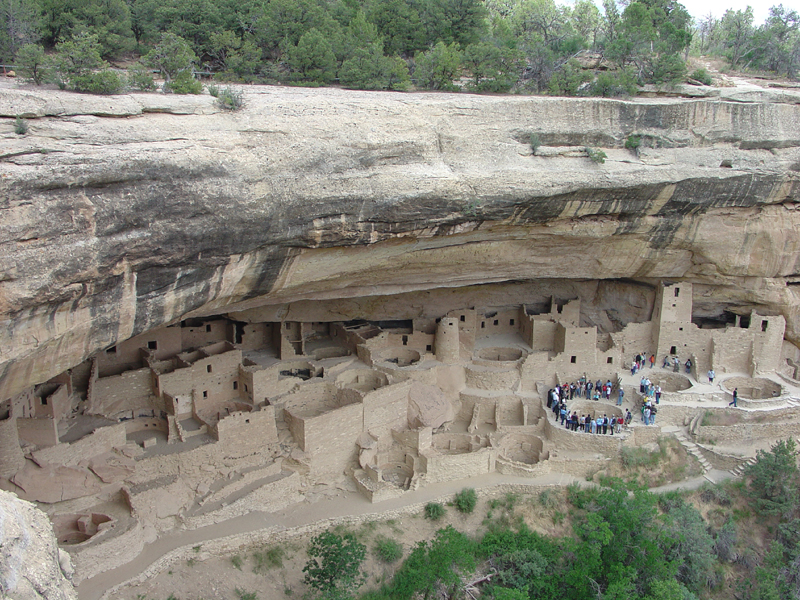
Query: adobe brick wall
[129, 390]
[447, 467]
[386, 408]
[247, 430]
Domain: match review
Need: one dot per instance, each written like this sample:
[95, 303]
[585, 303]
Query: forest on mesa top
[525, 46]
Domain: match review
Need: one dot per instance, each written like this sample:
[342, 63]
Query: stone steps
[693, 449]
[737, 471]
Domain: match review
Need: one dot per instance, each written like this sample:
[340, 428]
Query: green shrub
[268, 559]
[633, 143]
[213, 90]
[334, 569]
[243, 595]
[466, 500]
[101, 82]
[184, 83]
[229, 98]
[702, 76]
[141, 78]
[535, 142]
[549, 499]
[595, 155]
[237, 562]
[20, 126]
[387, 550]
[434, 511]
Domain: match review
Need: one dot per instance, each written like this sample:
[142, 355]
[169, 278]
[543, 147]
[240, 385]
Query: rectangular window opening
[496, 322]
[511, 322]
[205, 393]
[463, 318]
[483, 324]
[764, 325]
[152, 345]
[677, 292]
[208, 368]
[573, 359]
[236, 385]
[429, 348]
[673, 350]
[405, 340]
[208, 328]
[610, 360]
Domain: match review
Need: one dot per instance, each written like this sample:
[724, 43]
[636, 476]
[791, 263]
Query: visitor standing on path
[621, 394]
[735, 397]
[676, 364]
[711, 376]
[652, 360]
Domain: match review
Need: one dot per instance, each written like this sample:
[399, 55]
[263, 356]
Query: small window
[496, 322]
[450, 323]
[247, 420]
[463, 318]
[673, 350]
[208, 328]
[511, 322]
[152, 345]
[208, 368]
[236, 385]
[680, 328]
[246, 389]
[112, 350]
[483, 324]
[764, 325]
[429, 348]
[573, 359]
[677, 292]
[205, 393]
[405, 340]
[610, 360]
[44, 401]
[674, 305]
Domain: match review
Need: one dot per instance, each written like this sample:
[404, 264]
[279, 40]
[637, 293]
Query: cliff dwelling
[208, 315]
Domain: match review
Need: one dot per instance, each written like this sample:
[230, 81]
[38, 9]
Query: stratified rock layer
[120, 214]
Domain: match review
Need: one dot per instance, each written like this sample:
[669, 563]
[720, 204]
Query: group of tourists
[587, 424]
[649, 411]
[649, 390]
[639, 362]
[676, 364]
[583, 388]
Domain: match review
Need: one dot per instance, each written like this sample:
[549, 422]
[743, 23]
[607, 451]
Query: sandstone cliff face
[120, 214]
[31, 565]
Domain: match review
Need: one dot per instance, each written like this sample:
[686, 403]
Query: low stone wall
[563, 439]
[511, 467]
[486, 378]
[747, 431]
[103, 554]
[99, 441]
[446, 467]
[270, 497]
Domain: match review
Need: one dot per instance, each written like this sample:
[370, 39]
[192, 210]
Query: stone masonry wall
[99, 441]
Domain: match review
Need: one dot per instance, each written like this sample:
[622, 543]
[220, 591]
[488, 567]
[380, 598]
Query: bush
[243, 595]
[20, 126]
[595, 155]
[702, 76]
[141, 78]
[213, 90]
[229, 98]
[334, 569]
[609, 84]
[466, 500]
[34, 65]
[633, 142]
[535, 142]
[434, 511]
[102, 82]
[184, 83]
[387, 550]
[268, 559]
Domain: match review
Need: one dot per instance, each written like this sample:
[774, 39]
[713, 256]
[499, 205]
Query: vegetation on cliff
[494, 45]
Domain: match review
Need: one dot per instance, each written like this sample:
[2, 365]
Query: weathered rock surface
[123, 213]
[30, 562]
[428, 406]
